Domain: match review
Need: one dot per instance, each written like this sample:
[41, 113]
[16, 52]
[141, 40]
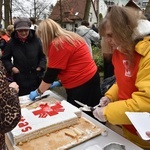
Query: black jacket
[2, 44]
[26, 56]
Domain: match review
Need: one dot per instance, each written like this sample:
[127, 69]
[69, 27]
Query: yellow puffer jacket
[140, 100]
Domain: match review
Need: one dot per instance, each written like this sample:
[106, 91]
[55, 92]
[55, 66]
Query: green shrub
[97, 56]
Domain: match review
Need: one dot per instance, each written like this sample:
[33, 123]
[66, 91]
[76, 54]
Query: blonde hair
[48, 31]
[2, 31]
[10, 29]
[123, 21]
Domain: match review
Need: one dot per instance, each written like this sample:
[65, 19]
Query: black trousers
[89, 93]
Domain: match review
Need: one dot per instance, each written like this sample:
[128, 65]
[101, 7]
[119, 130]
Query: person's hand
[15, 70]
[98, 113]
[55, 84]
[104, 101]
[38, 69]
[33, 95]
[14, 85]
[1, 52]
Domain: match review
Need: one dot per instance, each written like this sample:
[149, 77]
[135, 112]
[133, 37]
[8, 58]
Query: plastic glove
[104, 101]
[55, 84]
[98, 113]
[33, 95]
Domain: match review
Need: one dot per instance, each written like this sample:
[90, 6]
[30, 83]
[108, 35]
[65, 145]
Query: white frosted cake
[43, 120]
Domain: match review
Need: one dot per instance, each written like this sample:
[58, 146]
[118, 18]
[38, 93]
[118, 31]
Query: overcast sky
[27, 6]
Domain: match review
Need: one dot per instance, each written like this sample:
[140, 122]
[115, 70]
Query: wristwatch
[39, 92]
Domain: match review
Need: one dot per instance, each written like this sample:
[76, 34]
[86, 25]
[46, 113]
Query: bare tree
[1, 3]
[7, 12]
[19, 8]
[38, 9]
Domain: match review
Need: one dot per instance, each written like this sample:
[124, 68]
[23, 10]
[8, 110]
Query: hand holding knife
[86, 107]
[38, 99]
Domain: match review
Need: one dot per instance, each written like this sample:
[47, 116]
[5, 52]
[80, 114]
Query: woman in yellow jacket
[128, 36]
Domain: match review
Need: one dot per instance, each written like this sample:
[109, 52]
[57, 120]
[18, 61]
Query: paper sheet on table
[141, 121]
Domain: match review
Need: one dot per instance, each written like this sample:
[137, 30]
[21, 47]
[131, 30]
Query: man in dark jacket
[2, 42]
[24, 57]
[2, 45]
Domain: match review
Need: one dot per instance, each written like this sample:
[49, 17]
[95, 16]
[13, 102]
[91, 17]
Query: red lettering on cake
[26, 129]
[22, 119]
[46, 110]
[24, 125]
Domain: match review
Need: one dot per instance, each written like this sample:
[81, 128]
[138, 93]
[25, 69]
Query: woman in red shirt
[69, 60]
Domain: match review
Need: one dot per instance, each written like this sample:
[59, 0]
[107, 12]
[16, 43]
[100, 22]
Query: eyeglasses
[23, 30]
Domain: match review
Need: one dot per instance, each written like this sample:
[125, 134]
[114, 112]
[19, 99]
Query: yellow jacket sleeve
[112, 93]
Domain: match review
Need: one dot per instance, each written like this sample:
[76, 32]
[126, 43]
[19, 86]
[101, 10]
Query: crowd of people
[41, 57]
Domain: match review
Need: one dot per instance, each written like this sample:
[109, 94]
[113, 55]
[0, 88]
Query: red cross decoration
[46, 110]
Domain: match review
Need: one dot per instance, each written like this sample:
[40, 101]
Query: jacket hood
[142, 29]
[82, 30]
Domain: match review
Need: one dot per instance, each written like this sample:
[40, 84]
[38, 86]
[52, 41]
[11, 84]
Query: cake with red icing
[43, 120]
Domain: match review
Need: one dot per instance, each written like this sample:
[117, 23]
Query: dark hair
[84, 22]
[94, 28]
[33, 20]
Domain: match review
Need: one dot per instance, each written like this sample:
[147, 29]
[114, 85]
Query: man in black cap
[29, 61]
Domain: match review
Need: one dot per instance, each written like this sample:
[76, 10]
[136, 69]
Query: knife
[81, 104]
[86, 107]
[38, 99]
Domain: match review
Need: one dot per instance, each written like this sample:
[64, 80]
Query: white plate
[141, 121]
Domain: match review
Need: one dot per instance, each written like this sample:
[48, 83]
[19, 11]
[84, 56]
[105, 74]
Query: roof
[71, 10]
[131, 3]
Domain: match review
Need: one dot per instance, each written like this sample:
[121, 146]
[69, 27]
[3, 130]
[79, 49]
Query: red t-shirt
[125, 74]
[76, 64]
[126, 77]
[6, 38]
